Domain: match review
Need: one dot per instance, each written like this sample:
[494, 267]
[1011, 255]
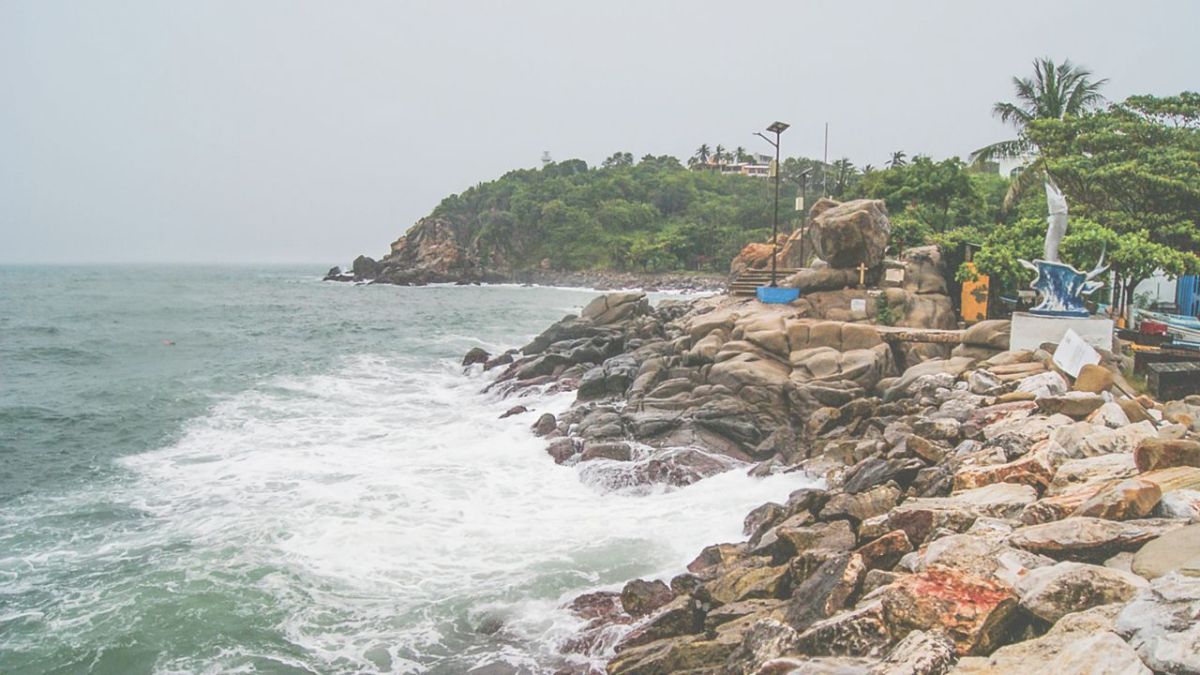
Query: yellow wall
[975, 298]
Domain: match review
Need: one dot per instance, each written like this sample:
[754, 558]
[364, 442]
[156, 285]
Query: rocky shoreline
[980, 511]
[366, 270]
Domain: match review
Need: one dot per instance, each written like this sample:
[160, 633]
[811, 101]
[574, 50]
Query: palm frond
[1023, 181]
[1002, 149]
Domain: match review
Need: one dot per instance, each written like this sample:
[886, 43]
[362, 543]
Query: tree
[740, 155]
[702, 154]
[868, 169]
[1054, 91]
[1134, 169]
[843, 172]
[618, 159]
[719, 155]
[898, 160]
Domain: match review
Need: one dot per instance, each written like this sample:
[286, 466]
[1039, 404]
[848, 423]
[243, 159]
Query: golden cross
[862, 274]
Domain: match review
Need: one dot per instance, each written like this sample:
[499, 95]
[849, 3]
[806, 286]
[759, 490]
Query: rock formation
[979, 512]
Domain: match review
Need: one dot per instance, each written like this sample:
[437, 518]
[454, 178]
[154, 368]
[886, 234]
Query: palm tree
[843, 170]
[898, 160]
[740, 155]
[868, 169]
[701, 156]
[719, 156]
[1053, 92]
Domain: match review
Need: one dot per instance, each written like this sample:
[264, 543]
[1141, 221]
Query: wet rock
[1158, 453]
[763, 607]
[919, 653]
[827, 591]
[1160, 624]
[640, 597]
[1178, 550]
[973, 612]
[546, 424]
[515, 410]
[832, 536]
[681, 616]
[858, 507]
[861, 632]
[1088, 539]
[885, 551]
[562, 449]
[765, 640]
[750, 580]
[876, 471]
[762, 519]
[366, 268]
[475, 355]
[614, 307]
[1052, 592]
[1079, 643]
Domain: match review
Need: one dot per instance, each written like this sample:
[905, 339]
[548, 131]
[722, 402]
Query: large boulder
[1052, 592]
[1083, 642]
[851, 233]
[1160, 623]
[973, 612]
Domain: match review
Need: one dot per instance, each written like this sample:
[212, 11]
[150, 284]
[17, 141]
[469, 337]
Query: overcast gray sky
[289, 130]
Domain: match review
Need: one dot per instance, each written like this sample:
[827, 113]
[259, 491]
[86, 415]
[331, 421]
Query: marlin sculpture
[1061, 285]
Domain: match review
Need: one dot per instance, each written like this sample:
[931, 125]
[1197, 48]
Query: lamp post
[777, 128]
[800, 206]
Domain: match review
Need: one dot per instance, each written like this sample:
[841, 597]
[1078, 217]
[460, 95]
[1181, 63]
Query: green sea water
[245, 469]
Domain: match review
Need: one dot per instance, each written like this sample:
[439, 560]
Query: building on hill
[758, 166]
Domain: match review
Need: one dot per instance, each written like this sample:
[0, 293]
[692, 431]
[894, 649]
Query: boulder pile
[979, 511]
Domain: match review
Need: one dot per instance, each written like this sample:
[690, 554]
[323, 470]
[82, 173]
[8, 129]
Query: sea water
[236, 469]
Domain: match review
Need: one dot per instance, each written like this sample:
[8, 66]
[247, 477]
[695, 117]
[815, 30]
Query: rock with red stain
[1032, 470]
[973, 612]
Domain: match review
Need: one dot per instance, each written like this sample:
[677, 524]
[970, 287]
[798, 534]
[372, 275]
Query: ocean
[245, 469]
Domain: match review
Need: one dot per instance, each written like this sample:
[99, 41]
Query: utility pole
[825, 165]
[777, 128]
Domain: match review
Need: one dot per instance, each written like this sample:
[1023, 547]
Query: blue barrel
[1187, 295]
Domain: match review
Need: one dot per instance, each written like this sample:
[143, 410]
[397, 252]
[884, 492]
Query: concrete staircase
[750, 279]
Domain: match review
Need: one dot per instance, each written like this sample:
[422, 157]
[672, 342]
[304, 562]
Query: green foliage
[1135, 169]
[651, 215]
[883, 312]
[925, 197]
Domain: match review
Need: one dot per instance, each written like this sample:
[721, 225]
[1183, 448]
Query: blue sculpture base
[776, 295]
[1061, 286]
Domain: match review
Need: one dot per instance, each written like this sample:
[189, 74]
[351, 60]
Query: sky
[271, 131]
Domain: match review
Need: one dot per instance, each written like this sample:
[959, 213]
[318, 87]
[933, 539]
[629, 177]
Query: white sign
[858, 305]
[894, 275]
[1073, 354]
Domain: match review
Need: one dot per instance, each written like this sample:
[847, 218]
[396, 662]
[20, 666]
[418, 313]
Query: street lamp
[800, 206]
[776, 128]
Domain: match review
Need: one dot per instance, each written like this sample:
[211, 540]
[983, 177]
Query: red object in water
[1148, 327]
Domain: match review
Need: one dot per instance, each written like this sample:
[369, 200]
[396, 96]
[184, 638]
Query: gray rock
[1052, 592]
[1160, 623]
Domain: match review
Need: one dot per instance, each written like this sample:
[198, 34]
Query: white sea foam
[387, 512]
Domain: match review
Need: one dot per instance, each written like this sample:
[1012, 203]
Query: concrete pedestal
[1029, 331]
